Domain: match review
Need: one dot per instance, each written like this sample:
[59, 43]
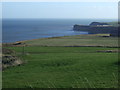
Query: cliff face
[81, 28]
[109, 30]
[94, 28]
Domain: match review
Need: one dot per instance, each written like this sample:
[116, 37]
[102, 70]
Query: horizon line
[58, 18]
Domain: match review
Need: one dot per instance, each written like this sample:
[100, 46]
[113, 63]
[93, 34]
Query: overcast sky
[105, 10]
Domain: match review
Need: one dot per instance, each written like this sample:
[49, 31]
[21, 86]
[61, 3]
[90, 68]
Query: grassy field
[77, 40]
[63, 67]
[50, 64]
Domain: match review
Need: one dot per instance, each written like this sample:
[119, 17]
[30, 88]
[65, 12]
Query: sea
[26, 29]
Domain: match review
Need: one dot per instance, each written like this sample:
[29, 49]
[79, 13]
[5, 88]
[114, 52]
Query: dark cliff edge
[98, 28]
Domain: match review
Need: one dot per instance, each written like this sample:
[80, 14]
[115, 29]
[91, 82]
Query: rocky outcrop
[9, 59]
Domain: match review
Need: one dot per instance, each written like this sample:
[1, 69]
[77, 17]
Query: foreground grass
[63, 67]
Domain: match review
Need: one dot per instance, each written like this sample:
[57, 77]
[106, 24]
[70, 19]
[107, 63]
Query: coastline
[86, 40]
[42, 38]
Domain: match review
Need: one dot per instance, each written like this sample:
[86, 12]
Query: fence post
[23, 49]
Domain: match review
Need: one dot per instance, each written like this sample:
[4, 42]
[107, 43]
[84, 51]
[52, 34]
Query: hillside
[81, 61]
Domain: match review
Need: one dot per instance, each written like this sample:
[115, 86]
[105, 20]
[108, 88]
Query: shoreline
[42, 38]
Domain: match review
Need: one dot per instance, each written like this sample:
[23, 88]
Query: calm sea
[25, 29]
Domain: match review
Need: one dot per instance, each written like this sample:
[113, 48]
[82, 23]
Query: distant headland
[98, 28]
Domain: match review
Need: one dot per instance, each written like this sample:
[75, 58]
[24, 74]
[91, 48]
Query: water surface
[26, 29]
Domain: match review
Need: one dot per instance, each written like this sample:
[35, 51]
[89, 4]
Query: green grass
[63, 67]
[77, 40]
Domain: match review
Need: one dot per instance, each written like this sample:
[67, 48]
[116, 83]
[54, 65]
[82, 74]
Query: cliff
[97, 27]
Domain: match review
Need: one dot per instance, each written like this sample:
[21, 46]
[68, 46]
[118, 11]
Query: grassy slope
[78, 40]
[63, 67]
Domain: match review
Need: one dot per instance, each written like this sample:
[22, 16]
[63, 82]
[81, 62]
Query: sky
[59, 0]
[104, 10]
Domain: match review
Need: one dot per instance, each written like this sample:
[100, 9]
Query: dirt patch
[15, 44]
[109, 51]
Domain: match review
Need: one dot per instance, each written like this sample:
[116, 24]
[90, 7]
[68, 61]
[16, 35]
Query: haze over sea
[26, 29]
